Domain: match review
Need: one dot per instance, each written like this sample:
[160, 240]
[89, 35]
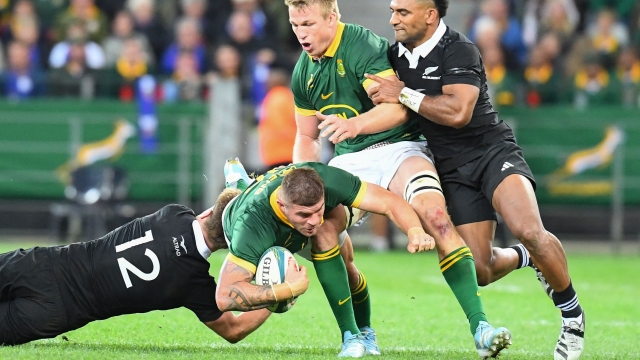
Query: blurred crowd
[535, 52]
[580, 52]
[99, 48]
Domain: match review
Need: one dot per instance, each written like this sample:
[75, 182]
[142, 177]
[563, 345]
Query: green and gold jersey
[335, 84]
[253, 222]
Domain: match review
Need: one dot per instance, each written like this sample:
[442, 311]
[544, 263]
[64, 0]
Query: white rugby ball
[271, 270]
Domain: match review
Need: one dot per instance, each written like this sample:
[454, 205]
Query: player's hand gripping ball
[272, 269]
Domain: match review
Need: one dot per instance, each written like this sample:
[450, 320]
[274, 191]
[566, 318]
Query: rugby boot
[490, 341]
[352, 345]
[571, 341]
[370, 340]
[235, 176]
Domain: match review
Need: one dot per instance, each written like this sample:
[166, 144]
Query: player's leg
[31, 307]
[332, 274]
[359, 295]
[515, 200]
[417, 181]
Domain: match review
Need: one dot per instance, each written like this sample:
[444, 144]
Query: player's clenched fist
[419, 240]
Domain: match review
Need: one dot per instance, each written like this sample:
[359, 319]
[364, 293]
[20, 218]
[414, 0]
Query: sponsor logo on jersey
[506, 165]
[176, 246]
[325, 97]
[428, 71]
[341, 70]
[183, 246]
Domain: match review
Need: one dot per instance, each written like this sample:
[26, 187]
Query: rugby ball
[271, 270]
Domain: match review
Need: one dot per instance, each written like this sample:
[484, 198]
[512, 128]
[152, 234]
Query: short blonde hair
[327, 6]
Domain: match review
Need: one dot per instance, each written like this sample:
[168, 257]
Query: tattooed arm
[236, 292]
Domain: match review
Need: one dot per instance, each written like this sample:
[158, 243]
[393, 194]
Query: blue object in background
[147, 119]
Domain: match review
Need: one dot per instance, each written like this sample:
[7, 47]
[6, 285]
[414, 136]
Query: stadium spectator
[188, 38]
[227, 62]
[501, 83]
[132, 63]
[543, 81]
[75, 78]
[21, 80]
[623, 8]
[149, 24]
[77, 36]
[509, 29]
[123, 30]
[594, 85]
[27, 32]
[542, 16]
[628, 72]
[277, 126]
[259, 20]
[87, 13]
[187, 78]
[196, 9]
[218, 11]
[608, 36]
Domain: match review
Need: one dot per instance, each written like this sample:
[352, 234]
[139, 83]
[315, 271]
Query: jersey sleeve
[462, 64]
[342, 187]
[203, 301]
[371, 57]
[300, 98]
[250, 238]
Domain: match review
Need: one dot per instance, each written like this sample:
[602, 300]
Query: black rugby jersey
[453, 60]
[152, 263]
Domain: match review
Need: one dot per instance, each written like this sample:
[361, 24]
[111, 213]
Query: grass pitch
[414, 313]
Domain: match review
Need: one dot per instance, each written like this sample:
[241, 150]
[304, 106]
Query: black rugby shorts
[469, 188]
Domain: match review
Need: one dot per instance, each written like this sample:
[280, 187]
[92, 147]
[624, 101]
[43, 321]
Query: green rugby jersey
[253, 222]
[335, 84]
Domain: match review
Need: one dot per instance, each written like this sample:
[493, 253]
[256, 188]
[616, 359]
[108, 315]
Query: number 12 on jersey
[126, 266]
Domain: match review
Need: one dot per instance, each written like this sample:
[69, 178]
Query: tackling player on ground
[287, 207]
[481, 167]
[156, 262]
[329, 84]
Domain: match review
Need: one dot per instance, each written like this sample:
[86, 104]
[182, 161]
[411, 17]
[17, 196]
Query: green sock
[361, 303]
[460, 272]
[333, 277]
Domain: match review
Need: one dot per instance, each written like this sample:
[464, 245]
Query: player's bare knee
[438, 223]
[532, 237]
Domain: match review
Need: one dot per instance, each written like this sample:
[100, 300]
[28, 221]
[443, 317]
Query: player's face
[409, 20]
[314, 31]
[305, 219]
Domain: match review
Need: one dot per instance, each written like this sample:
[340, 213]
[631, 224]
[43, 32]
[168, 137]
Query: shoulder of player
[453, 37]
[175, 210]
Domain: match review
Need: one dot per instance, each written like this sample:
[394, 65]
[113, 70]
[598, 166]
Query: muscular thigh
[31, 305]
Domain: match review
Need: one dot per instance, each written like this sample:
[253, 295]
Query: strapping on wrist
[411, 99]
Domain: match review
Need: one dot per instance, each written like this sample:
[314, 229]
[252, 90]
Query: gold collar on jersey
[333, 48]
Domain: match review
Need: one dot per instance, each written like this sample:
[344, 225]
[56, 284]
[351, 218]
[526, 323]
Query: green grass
[414, 313]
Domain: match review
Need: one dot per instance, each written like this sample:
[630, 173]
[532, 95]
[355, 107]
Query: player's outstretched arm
[384, 202]
[234, 328]
[236, 292]
[307, 146]
[453, 108]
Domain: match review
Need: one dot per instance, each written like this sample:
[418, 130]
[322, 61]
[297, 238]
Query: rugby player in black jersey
[156, 262]
[482, 169]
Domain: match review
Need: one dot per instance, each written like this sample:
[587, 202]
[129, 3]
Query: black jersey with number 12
[151, 263]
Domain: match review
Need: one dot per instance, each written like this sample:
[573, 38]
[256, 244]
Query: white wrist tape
[411, 99]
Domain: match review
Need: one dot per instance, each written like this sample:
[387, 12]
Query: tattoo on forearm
[244, 296]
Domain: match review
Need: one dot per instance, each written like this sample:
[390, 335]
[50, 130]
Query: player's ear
[206, 213]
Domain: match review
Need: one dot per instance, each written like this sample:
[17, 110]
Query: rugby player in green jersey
[286, 207]
[330, 86]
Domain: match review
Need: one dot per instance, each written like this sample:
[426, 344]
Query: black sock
[523, 256]
[567, 302]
